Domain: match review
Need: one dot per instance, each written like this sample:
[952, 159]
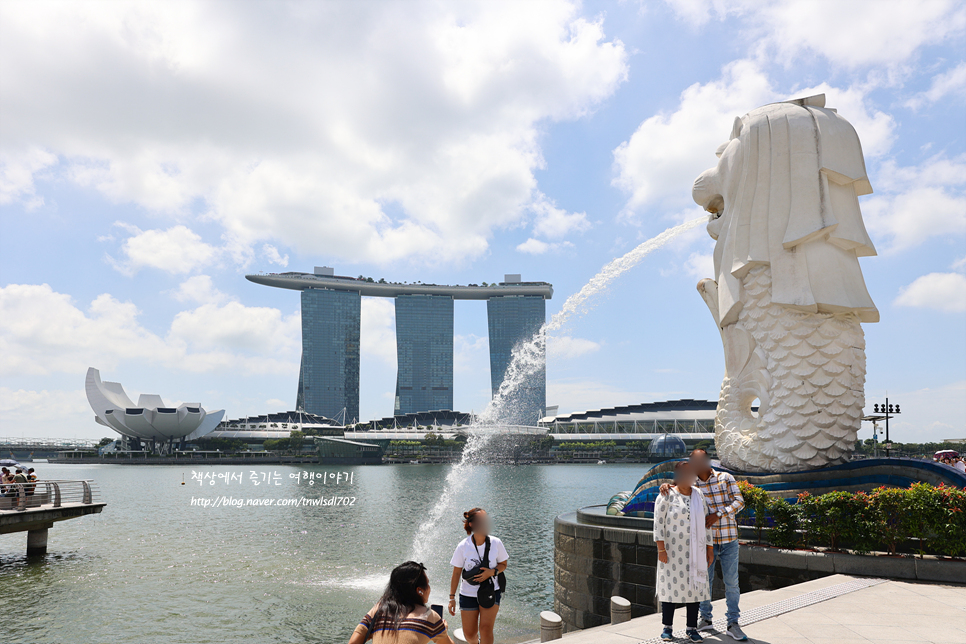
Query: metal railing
[45, 494]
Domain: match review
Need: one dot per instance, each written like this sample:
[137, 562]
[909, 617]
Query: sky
[152, 154]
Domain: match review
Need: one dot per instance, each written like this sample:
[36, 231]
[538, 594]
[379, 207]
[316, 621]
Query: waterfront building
[512, 320]
[424, 353]
[329, 372]
[688, 419]
[150, 421]
[277, 425]
[331, 318]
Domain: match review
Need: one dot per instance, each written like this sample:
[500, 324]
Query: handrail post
[21, 498]
[56, 495]
[87, 492]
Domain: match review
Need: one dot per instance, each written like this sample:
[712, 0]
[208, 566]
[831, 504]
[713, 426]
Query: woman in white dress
[683, 551]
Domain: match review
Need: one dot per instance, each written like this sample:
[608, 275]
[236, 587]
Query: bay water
[155, 566]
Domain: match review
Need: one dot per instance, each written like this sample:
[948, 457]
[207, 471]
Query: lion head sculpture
[788, 294]
[785, 193]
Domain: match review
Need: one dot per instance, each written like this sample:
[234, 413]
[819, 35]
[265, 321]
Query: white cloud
[378, 330]
[850, 34]
[938, 291]
[539, 247]
[915, 203]
[364, 131]
[222, 329]
[555, 223]
[43, 332]
[57, 409]
[273, 256]
[660, 161]
[17, 171]
[565, 347]
[198, 289]
[175, 250]
[952, 81]
[700, 265]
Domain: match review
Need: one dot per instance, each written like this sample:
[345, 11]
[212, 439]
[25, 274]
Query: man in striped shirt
[725, 500]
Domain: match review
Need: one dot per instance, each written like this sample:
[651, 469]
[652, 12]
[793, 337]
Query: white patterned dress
[672, 525]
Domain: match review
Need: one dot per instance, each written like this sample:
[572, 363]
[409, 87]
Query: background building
[424, 353]
[688, 419]
[331, 317]
[150, 421]
[329, 373]
[512, 319]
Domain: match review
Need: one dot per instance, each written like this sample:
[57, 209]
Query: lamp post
[888, 410]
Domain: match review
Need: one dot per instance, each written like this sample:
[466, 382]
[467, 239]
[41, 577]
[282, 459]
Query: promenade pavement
[823, 611]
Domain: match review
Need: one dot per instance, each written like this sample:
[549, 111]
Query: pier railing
[46, 494]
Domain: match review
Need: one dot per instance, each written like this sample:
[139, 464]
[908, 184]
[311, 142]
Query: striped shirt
[411, 630]
[724, 497]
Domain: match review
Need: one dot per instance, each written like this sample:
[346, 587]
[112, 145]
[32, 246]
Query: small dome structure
[668, 445]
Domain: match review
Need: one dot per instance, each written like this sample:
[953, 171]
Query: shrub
[755, 511]
[785, 528]
[843, 517]
[951, 525]
[890, 517]
[882, 520]
[925, 514]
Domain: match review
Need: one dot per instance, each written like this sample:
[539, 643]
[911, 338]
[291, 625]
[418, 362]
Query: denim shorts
[470, 603]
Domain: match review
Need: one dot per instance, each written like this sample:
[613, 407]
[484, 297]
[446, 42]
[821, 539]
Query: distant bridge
[24, 446]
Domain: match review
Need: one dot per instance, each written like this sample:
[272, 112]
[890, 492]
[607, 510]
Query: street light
[887, 410]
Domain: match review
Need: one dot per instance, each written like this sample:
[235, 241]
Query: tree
[105, 441]
[295, 440]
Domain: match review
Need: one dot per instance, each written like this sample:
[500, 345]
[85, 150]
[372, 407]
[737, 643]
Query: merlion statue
[788, 294]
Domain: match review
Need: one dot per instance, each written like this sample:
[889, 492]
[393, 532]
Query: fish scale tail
[815, 363]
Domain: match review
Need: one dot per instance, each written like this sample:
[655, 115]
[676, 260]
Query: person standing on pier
[725, 500]
[684, 552]
[477, 564]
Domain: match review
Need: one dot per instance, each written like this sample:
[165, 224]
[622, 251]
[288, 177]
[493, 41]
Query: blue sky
[153, 154]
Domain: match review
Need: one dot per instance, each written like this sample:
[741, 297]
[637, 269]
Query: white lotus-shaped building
[150, 419]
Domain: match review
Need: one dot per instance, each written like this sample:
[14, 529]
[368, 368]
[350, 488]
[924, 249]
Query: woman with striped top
[401, 615]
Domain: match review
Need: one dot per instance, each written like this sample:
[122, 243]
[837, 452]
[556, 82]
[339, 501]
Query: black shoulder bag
[486, 595]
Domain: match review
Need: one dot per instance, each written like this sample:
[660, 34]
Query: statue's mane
[794, 206]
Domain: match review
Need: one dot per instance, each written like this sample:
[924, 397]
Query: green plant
[843, 518]
[785, 529]
[889, 517]
[807, 517]
[756, 505]
[926, 514]
[951, 526]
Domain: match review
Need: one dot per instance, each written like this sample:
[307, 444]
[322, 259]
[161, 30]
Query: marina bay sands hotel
[331, 315]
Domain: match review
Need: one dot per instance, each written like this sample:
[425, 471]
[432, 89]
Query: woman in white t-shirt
[477, 621]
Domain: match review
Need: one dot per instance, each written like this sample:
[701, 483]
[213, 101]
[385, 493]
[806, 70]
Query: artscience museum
[150, 420]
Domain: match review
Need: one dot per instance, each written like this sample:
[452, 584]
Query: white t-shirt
[468, 556]
[960, 466]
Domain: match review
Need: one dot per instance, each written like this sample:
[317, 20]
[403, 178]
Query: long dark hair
[400, 597]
